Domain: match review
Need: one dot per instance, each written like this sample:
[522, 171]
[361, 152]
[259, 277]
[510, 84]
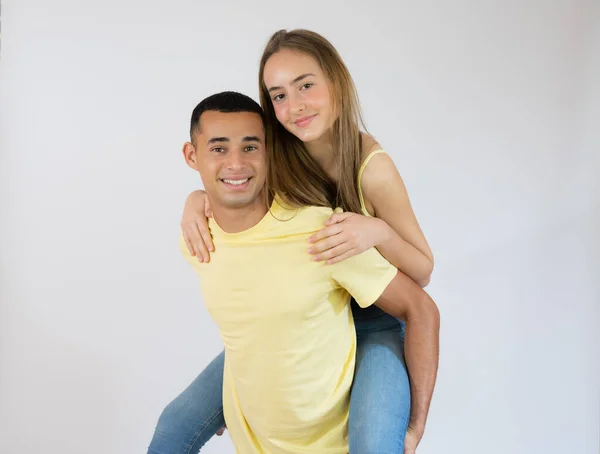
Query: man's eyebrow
[251, 139]
[217, 139]
[297, 79]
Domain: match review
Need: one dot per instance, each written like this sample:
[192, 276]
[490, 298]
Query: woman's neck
[321, 150]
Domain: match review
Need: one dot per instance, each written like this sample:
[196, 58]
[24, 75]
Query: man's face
[231, 157]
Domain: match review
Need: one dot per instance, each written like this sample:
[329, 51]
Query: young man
[285, 319]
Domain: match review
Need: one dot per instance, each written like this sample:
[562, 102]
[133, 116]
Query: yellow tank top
[360, 173]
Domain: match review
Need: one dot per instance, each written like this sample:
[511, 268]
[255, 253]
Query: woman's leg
[188, 422]
[380, 399]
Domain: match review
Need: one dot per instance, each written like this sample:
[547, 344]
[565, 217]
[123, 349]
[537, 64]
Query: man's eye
[218, 149]
[250, 148]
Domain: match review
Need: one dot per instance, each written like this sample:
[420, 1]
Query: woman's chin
[308, 136]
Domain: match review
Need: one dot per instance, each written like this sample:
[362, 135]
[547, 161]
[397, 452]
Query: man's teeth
[236, 182]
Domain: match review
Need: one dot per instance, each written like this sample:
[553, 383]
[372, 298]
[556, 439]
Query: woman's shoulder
[378, 170]
[374, 162]
[369, 145]
[371, 148]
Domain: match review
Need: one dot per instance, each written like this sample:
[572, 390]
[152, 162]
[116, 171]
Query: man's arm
[404, 299]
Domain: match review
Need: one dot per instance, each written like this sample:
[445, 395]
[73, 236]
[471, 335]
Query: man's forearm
[404, 299]
[421, 354]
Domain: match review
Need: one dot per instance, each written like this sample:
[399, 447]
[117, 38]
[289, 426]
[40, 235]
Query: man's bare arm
[404, 299]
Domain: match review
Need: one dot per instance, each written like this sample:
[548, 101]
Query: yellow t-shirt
[288, 331]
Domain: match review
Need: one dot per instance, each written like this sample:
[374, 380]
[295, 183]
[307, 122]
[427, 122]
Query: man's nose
[236, 160]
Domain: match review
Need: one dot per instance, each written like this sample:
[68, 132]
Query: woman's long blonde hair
[293, 173]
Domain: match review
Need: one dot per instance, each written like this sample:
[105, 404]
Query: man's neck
[236, 220]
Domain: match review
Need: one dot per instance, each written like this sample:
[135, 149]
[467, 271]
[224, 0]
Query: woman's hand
[345, 235]
[194, 226]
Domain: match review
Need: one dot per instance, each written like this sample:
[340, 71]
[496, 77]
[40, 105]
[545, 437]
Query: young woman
[318, 155]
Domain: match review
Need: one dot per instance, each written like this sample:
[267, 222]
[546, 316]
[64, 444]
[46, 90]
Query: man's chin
[239, 201]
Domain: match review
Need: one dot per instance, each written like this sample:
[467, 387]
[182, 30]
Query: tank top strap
[360, 173]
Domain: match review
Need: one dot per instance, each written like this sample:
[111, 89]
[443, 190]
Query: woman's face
[299, 91]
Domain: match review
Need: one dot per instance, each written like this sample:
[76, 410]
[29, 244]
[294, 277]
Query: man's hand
[411, 441]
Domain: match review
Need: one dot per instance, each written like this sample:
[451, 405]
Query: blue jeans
[380, 396]
[379, 401]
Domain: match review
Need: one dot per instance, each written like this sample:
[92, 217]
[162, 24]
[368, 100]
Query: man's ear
[189, 154]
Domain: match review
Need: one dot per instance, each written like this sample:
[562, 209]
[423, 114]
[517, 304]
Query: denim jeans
[380, 396]
[379, 401]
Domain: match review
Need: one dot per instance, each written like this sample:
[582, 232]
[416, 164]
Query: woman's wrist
[195, 194]
[383, 232]
[195, 200]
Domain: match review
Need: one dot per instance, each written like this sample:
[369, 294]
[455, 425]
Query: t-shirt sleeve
[365, 276]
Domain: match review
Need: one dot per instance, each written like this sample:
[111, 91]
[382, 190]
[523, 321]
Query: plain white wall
[490, 110]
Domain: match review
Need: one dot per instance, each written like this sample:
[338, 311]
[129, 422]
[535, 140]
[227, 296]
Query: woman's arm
[401, 242]
[194, 226]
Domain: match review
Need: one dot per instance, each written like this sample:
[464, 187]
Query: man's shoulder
[288, 210]
[307, 218]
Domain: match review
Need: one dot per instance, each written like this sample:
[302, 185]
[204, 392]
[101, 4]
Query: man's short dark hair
[226, 101]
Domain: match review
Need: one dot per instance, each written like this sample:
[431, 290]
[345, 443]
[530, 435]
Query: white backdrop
[488, 109]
